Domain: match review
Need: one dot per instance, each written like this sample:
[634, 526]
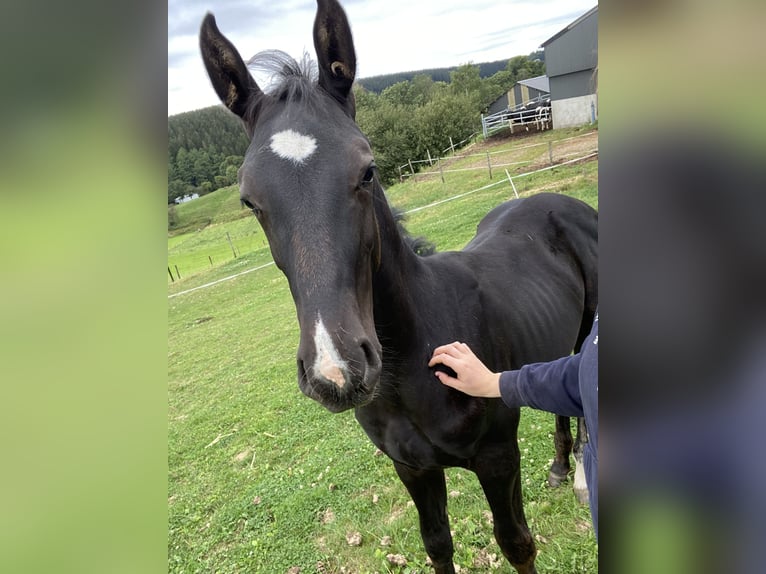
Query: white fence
[492, 161]
[536, 111]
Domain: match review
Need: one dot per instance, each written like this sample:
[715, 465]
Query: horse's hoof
[581, 495]
[555, 480]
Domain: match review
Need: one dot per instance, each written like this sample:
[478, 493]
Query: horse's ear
[335, 52]
[228, 73]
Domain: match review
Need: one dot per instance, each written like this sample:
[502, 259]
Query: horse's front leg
[428, 490]
[580, 484]
[500, 478]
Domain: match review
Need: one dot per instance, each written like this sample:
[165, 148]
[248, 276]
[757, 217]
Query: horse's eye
[369, 175]
[250, 206]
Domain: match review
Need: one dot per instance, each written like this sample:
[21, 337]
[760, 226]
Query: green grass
[262, 479]
[218, 207]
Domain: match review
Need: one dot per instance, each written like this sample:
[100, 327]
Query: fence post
[401, 177]
[412, 169]
[441, 169]
[451, 146]
[430, 161]
[211, 260]
[171, 274]
[178, 273]
[550, 152]
[489, 166]
[231, 244]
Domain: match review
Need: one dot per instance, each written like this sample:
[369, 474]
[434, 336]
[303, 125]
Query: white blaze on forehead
[328, 362]
[291, 145]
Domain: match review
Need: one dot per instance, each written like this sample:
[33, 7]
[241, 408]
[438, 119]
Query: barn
[571, 64]
[532, 89]
[526, 104]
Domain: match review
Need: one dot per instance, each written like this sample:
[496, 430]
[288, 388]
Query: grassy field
[261, 478]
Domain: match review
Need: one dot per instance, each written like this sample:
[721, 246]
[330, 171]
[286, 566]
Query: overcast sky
[389, 35]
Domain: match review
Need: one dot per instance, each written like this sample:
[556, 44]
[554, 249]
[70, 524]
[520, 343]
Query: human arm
[552, 386]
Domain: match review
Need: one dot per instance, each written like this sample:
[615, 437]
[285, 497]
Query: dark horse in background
[371, 310]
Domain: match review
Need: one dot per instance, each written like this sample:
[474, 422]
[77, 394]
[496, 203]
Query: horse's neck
[400, 269]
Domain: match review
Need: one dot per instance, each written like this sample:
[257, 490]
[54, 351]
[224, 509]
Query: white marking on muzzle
[328, 362]
[291, 145]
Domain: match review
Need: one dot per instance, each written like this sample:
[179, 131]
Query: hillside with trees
[205, 149]
[403, 119]
[486, 69]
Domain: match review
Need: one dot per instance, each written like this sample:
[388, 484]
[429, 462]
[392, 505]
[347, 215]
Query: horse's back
[536, 262]
[549, 214]
[535, 232]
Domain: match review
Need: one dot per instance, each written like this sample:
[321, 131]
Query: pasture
[264, 480]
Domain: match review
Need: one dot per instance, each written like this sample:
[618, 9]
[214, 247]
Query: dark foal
[371, 310]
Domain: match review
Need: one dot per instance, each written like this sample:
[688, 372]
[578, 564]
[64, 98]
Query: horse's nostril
[370, 356]
[302, 376]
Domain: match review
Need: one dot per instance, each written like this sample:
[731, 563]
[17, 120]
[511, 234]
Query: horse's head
[310, 179]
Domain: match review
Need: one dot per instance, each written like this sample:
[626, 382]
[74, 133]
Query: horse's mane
[286, 78]
[419, 245]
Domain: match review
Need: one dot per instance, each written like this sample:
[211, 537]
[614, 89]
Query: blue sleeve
[553, 386]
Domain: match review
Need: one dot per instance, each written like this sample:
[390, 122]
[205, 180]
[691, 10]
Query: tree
[392, 135]
[398, 94]
[465, 81]
[184, 166]
[202, 145]
[365, 99]
[522, 68]
[203, 167]
[497, 85]
[448, 116]
[422, 89]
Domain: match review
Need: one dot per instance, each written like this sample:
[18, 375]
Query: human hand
[473, 377]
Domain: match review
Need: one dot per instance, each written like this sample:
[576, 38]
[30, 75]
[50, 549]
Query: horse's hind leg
[580, 484]
[562, 442]
[502, 487]
[428, 490]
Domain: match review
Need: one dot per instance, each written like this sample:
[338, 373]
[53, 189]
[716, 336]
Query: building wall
[570, 63]
[575, 50]
[574, 111]
[499, 104]
[573, 85]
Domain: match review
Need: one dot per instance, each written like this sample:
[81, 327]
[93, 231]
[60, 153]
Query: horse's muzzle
[341, 381]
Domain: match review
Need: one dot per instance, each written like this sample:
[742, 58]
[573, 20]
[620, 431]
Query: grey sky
[389, 35]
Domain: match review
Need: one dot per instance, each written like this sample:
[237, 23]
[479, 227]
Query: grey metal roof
[570, 26]
[539, 83]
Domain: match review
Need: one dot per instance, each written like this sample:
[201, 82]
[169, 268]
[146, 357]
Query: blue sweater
[568, 387]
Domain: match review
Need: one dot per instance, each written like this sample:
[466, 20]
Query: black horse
[371, 310]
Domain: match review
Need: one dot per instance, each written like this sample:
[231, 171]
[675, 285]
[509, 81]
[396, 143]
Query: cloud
[393, 36]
